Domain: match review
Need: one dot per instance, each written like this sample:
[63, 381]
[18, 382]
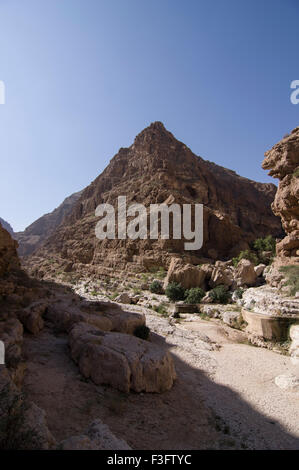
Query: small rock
[259, 269]
[123, 298]
[287, 382]
[232, 318]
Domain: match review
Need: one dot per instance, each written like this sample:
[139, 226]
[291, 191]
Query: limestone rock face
[283, 162]
[106, 316]
[185, 274]
[8, 253]
[7, 226]
[158, 168]
[120, 360]
[42, 228]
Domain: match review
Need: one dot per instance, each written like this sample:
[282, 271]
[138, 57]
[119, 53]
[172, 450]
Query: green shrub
[156, 287]
[256, 254]
[291, 272]
[239, 292]
[246, 254]
[194, 295]
[159, 272]
[265, 244]
[175, 291]
[161, 309]
[142, 332]
[219, 295]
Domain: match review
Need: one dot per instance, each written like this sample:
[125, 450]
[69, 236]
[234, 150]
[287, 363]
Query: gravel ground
[238, 383]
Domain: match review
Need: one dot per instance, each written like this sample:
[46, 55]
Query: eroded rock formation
[7, 226]
[283, 162]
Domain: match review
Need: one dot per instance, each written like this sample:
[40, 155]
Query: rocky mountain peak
[155, 167]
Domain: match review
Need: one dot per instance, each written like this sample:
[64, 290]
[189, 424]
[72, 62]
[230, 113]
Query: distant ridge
[34, 235]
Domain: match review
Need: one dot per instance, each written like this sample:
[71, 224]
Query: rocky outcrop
[34, 235]
[120, 360]
[7, 227]
[245, 275]
[283, 162]
[8, 253]
[185, 274]
[158, 168]
[222, 274]
[23, 424]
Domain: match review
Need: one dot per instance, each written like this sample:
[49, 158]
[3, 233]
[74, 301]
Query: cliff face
[8, 253]
[283, 162]
[155, 169]
[34, 235]
[7, 226]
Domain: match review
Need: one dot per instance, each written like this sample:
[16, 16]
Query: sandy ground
[224, 397]
[250, 372]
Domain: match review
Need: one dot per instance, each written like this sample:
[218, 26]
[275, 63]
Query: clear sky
[83, 77]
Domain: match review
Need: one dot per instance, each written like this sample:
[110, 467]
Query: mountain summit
[158, 168]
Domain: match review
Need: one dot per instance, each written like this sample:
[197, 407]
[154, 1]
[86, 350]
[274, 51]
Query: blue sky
[83, 77]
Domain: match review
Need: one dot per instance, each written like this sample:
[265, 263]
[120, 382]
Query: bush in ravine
[219, 295]
[175, 292]
[194, 295]
[246, 254]
[156, 287]
[265, 244]
[142, 332]
[239, 293]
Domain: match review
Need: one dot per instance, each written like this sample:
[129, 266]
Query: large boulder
[123, 298]
[245, 273]
[120, 360]
[185, 274]
[222, 275]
